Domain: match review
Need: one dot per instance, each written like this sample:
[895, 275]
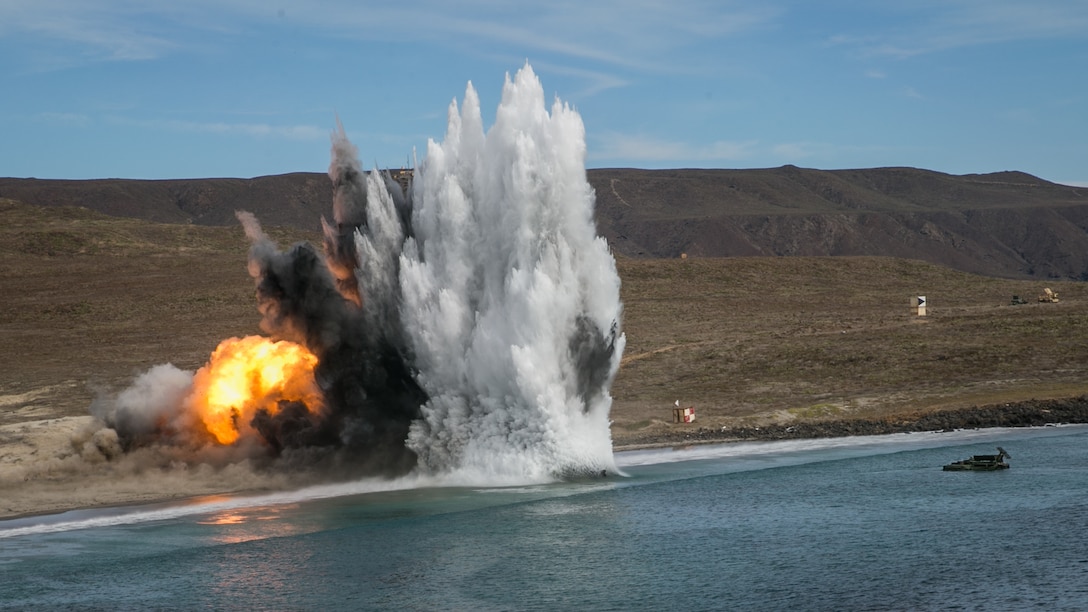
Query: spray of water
[510, 300]
[468, 326]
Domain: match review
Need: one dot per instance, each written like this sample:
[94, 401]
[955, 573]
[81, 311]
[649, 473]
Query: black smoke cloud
[363, 367]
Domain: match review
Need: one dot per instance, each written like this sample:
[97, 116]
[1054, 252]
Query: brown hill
[88, 301]
[1005, 224]
[287, 200]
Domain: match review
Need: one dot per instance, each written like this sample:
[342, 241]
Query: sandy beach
[53, 465]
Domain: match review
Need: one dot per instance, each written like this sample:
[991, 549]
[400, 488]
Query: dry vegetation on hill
[90, 300]
[1005, 224]
[751, 340]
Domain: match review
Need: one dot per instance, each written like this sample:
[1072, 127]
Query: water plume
[511, 300]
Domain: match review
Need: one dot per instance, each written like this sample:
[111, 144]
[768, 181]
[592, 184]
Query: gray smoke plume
[148, 410]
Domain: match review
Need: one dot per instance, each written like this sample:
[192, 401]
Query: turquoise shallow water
[859, 523]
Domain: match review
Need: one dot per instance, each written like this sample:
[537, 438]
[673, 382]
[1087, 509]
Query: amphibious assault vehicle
[981, 463]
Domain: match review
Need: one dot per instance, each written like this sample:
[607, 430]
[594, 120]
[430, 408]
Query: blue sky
[243, 88]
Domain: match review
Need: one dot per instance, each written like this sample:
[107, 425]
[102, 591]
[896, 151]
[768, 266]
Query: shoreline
[1030, 413]
[1027, 413]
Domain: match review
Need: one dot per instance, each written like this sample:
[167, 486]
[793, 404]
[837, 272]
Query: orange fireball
[248, 374]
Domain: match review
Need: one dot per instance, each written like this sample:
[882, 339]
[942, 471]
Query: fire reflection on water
[243, 525]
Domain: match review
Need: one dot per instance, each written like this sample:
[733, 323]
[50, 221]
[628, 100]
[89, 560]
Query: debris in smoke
[370, 394]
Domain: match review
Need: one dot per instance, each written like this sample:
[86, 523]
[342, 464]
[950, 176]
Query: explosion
[252, 375]
[468, 324]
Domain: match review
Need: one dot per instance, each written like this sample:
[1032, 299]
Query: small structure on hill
[683, 415]
[918, 305]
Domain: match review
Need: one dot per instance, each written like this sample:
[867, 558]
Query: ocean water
[867, 523]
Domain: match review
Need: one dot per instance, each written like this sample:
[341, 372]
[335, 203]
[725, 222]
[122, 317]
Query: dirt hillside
[87, 301]
[1004, 224]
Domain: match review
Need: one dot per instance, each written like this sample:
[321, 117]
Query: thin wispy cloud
[650, 149]
[637, 36]
[96, 31]
[1018, 115]
[791, 151]
[659, 82]
[819, 151]
[63, 119]
[967, 23]
[257, 130]
[620, 33]
[652, 152]
[596, 81]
